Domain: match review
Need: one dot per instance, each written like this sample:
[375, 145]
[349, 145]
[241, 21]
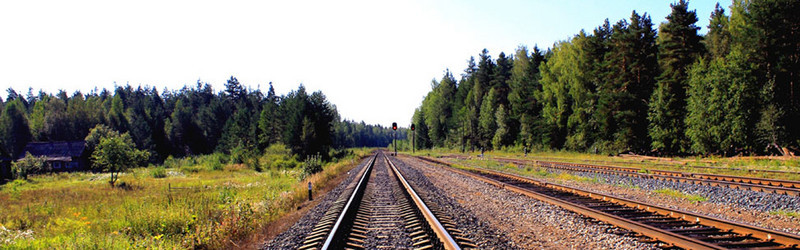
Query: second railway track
[381, 210]
[669, 227]
[791, 188]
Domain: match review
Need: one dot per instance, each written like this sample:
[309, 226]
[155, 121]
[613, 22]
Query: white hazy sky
[373, 59]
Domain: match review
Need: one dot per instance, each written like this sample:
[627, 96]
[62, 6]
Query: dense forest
[629, 87]
[189, 121]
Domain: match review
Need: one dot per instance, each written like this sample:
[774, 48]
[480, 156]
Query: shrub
[29, 165]
[189, 169]
[158, 172]
[213, 162]
[277, 156]
[239, 154]
[254, 163]
[312, 165]
[283, 164]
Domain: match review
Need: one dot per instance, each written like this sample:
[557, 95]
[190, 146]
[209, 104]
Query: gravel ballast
[518, 221]
[743, 206]
[294, 236]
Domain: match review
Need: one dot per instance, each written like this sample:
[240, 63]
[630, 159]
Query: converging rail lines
[382, 210]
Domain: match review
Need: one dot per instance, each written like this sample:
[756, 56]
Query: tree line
[629, 87]
[189, 121]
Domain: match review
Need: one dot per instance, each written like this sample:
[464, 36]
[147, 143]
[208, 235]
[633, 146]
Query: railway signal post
[413, 136]
[394, 140]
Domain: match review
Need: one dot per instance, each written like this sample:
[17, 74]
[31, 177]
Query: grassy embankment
[186, 203]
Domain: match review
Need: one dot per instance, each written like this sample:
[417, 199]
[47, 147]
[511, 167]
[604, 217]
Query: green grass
[681, 195]
[793, 214]
[524, 171]
[196, 202]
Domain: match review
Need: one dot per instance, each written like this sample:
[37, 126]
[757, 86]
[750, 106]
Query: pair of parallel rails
[344, 226]
[670, 228]
[787, 187]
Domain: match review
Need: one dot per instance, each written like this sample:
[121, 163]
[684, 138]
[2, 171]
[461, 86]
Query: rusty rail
[335, 230]
[446, 239]
[750, 235]
[786, 187]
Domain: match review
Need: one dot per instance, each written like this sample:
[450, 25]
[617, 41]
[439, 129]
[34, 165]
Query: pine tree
[717, 41]
[679, 47]
[630, 71]
[483, 77]
[116, 115]
[767, 33]
[500, 77]
[524, 83]
[14, 130]
[269, 120]
[422, 140]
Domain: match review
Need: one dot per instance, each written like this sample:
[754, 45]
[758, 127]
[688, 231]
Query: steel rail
[350, 209]
[660, 164]
[767, 235]
[786, 187]
[447, 240]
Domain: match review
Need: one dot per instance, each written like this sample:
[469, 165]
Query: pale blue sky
[373, 59]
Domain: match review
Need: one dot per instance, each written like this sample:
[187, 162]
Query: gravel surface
[293, 238]
[744, 206]
[383, 199]
[497, 218]
[737, 205]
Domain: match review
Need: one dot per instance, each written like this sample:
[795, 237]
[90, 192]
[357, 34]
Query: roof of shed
[55, 149]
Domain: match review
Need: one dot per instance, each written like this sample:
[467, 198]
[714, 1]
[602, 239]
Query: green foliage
[487, 121]
[524, 84]
[254, 163]
[277, 156]
[215, 162]
[693, 198]
[158, 172]
[29, 165]
[14, 130]
[623, 88]
[679, 47]
[793, 214]
[555, 92]
[721, 115]
[717, 41]
[206, 209]
[96, 134]
[631, 68]
[312, 165]
[502, 136]
[117, 154]
[438, 108]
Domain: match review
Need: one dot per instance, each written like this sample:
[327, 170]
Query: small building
[60, 156]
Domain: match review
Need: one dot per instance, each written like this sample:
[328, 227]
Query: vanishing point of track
[667, 227]
[382, 210]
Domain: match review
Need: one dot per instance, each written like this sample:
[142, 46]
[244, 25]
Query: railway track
[667, 227]
[382, 210]
[786, 187]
